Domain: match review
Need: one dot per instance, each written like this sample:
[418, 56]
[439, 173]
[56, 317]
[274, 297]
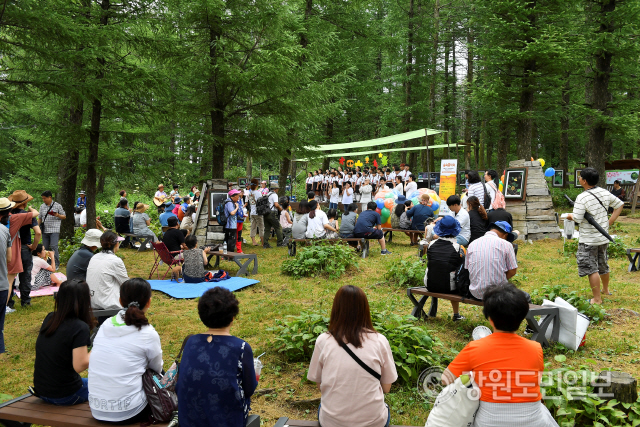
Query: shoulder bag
[361, 363]
[487, 198]
[162, 398]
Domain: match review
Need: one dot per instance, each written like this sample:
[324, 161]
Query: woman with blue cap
[444, 256]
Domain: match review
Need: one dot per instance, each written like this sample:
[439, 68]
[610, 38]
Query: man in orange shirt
[506, 367]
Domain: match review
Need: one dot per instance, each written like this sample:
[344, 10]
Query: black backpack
[220, 216]
[463, 281]
[486, 204]
[262, 205]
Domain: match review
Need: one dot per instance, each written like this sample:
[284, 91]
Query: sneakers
[266, 246]
[385, 252]
[457, 317]
[10, 310]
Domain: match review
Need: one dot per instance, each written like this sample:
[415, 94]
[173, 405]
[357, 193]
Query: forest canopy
[118, 92]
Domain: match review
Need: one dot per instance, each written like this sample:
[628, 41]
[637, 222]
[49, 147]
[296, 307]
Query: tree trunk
[285, 168]
[467, 111]
[217, 151]
[68, 169]
[503, 145]
[525, 122]
[481, 141]
[597, 148]
[249, 167]
[564, 130]
[407, 89]
[446, 112]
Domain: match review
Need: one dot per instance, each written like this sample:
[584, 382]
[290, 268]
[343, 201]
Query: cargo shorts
[592, 259]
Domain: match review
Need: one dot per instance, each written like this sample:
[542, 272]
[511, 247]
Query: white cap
[92, 237]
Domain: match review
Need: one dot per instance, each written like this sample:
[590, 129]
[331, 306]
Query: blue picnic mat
[195, 290]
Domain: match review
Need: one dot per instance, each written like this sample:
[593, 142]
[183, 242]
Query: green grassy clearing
[612, 343]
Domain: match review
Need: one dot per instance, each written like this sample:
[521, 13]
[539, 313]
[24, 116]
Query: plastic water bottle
[224, 248]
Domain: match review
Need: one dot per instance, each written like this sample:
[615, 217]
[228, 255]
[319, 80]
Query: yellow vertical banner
[448, 177]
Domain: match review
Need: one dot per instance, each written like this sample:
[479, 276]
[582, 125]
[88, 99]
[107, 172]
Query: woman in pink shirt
[352, 359]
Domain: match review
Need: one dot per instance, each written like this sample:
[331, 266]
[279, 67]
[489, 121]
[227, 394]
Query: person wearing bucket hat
[168, 213]
[21, 198]
[82, 200]
[141, 221]
[491, 259]
[445, 255]
[176, 205]
[79, 261]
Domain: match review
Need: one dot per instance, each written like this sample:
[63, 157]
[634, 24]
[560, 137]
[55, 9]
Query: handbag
[455, 406]
[160, 390]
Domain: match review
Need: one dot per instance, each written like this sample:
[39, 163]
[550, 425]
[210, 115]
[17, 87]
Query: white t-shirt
[38, 264]
[335, 195]
[317, 178]
[587, 201]
[465, 222]
[83, 217]
[273, 198]
[119, 357]
[347, 196]
[399, 188]
[341, 378]
[404, 174]
[392, 176]
[310, 180]
[411, 187]
[105, 273]
[315, 225]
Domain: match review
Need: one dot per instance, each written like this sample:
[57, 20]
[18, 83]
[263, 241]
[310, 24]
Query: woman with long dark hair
[477, 218]
[340, 372]
[62, 347]
[300, 220]
[125, 346]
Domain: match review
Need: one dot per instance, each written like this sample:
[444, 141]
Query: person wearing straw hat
[141, 222]
[79, 261]
[21, 198]
[82, 200]
[445, 255]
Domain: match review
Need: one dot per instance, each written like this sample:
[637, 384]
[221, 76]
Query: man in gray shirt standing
[50, 218]
[5, 258]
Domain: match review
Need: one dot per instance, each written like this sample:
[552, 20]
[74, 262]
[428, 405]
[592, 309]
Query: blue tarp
[195, 290]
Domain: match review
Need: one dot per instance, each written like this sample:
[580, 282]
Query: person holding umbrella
[593, 242]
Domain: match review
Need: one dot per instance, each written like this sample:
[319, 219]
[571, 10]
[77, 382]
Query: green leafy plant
[616, 248]
[67, 247]
[412, 346]
[406, 273]
[320, 258]
[550, 292]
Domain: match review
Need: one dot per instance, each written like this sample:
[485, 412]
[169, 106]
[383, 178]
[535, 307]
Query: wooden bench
[634, 265]
[237, 258]
[539, 330]
[284, 421]
[144, 241]
[390, 231]
[364, 244]
[28, 409]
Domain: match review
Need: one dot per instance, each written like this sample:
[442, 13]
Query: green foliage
[616, 249]
[579, 405]
[404, 273]
[67, 247]
[593, 311]
[414, 349]
[321, 258]
[559, 201]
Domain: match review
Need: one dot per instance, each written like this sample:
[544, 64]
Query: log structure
[534, 216]
[207, 230]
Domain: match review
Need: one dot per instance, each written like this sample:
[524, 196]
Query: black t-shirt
[53, 374]
[25, 230]
[478, 225]
[78, 263]
[499, 215]
[443, 258]
[173, 239]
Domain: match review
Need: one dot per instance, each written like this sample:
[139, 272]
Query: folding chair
[162, 255]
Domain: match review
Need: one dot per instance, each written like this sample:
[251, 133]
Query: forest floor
[610, 344]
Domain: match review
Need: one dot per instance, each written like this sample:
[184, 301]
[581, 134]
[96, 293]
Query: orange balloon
[387, 224]
[388, 203]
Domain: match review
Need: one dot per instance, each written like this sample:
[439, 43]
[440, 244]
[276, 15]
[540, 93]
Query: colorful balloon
[435, 206]
[378, 210]
[385, 214]
[390, 195]
[415, 200]
[549, 172]
[541, 162]
[380, 203]
[389, 203]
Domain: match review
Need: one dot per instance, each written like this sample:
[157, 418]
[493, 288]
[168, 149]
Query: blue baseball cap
[503, 225]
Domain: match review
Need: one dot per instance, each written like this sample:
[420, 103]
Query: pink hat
[233, 193]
